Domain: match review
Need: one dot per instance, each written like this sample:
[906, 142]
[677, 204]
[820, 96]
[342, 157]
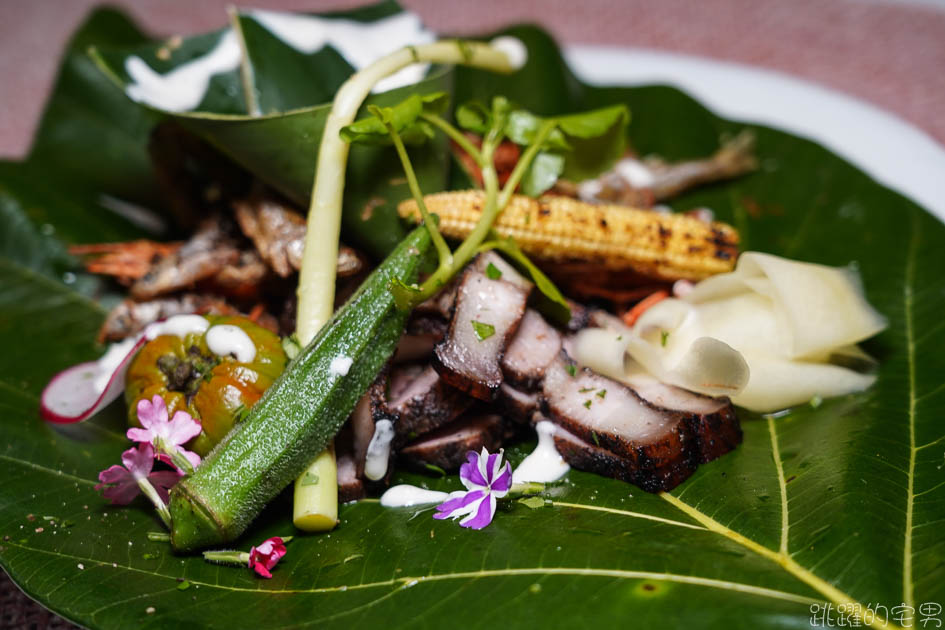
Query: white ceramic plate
[892, 151]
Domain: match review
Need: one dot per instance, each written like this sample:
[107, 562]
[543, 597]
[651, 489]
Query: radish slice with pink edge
[79, 392]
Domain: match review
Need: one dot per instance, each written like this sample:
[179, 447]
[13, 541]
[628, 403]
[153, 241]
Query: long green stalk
[316, 292]
[317, 278]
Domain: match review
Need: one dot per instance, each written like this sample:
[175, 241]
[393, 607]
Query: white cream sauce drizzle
[340, 365]
[226, 339]
[544, 464]
[360, 43]
[183, 88]
[178, 325]
[378, 451]
[405, 495]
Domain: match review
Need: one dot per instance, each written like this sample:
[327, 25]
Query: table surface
[889, 53]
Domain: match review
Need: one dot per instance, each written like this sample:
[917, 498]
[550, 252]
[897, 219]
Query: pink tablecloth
[891, 54]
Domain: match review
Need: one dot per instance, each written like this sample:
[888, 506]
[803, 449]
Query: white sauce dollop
[178, 325]
[183, 88]
[226, 339]
[378, 451]
[544, 464]
[406, 496]
[340, 365]
[513, 48]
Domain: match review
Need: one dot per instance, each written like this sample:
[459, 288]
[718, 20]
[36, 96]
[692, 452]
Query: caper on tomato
[215, 390]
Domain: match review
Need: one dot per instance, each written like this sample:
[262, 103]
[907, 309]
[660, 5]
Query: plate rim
[894, 152]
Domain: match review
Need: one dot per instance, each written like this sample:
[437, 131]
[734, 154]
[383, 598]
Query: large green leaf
[293, 90]
[842, 501]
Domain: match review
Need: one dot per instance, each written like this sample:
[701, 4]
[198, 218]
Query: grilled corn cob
[559, 229]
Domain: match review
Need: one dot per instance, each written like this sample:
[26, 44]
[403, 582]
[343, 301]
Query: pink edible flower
[486, 479]
[121, 484]
[266, 556]
[166, 435]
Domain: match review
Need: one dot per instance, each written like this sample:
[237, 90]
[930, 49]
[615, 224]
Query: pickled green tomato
[216, 390]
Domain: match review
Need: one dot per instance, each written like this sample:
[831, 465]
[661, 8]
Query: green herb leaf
[602, 393]
[404, 117]
[493, 272]
[532, 502]
[542, 174]
[587, 403]
[664, 336]
[572, 370]
[552, 303]
[435, 469]
[183, 586]
[309, 479]
[474, 116]
[483, 330]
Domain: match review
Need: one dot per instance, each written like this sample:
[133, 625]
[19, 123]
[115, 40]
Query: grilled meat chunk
[447, 446]
[486, 315]
[534, 346]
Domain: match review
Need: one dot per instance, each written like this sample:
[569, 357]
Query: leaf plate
[839, 503]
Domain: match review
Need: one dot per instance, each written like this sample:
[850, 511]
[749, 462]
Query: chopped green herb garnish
[183, 586]
[816, 401]
[594, 437]
[572, 370]
[149, 556]
[587, 403]
[532, 502]
[584, 390]
[309, 479]
[602, 393]
[483, 330]
[664, 335]
[435, 469]
[493, 272]
[619, 337]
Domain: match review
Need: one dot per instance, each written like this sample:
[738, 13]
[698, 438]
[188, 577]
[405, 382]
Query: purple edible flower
[486, 479]
[121, 484]
[166, 435]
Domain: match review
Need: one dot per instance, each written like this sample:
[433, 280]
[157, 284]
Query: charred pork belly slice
[417, 400]
[591, 458]
[534, 346]
[441, 304]
[714, 424]
[447, 446]
[424, 331]
[604, 412]
[486, 316]
[516, 404]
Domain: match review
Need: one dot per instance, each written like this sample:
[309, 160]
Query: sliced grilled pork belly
[591, 458]
[424, 331]
[714, 424]
[604, 412]
[486, 315]
[507, 272]
[516, 404]
[416, 400]
[535, 344]
[447, 446]
[441, 304]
